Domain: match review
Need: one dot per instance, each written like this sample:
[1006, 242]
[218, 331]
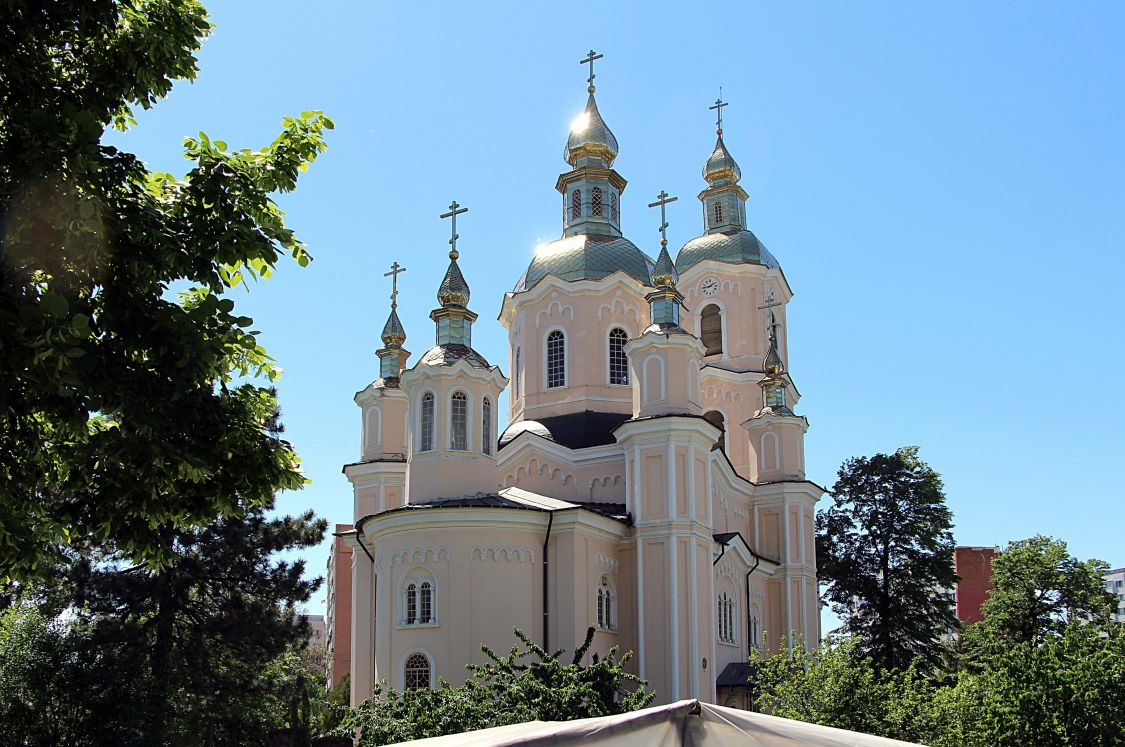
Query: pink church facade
[650, 482]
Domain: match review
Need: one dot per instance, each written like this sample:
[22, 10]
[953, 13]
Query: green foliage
[1048, 669]
[123, 407]
[504, 690]
[884, 550]
[1039, 587]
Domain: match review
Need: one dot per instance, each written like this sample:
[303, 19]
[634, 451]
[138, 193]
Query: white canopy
[687, 722]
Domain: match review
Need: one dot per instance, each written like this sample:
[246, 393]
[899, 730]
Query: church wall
[656, 651]
[558, 479]
[682, 455]
[770, 532]
[586, 320]
[702, 497]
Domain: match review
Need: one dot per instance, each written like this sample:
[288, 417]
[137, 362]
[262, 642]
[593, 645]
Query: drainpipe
[359, 539]
[750, 633]
[546, 586]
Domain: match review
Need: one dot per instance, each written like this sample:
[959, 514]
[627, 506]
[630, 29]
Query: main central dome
[586, 257]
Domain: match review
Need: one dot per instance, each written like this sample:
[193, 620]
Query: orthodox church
[650, 483]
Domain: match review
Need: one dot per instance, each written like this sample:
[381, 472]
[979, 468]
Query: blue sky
[942, 184]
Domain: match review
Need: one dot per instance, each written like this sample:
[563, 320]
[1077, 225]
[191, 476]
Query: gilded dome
[453, 289]
[589, 135]
[721, 165]
[586, 257]
[393, 333]
[737, 247]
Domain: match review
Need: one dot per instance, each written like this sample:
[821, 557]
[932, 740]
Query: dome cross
[769, 304]
[589, 60]
[718, 109]
[396, 268]
[454, 210]
[662, 200]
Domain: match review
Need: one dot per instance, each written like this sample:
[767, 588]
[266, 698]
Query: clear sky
[942, 184]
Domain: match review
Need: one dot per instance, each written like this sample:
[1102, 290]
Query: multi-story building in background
[339, 607]
[974, 571]
[317, 630]
[1115, 585]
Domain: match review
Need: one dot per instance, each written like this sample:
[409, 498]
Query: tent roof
[687, 722]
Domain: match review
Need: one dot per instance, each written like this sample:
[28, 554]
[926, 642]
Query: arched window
[518, 372]
[618, 361]
[411, 616]
[606, 605]
[416, 673]
[556, 359]
[613, 214]
[718, 212]
[725, 610]
[576, 204]
[755, 630]
[425, 603]
[486, 426]
[596, 201]
[711, 329]
[459, 422]
[427, 441]
[715, 418]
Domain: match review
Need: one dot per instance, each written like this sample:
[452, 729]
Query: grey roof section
[736, 247]
[735, 674]
[524, 426]
[574, 430]
[514, 498]
[586, 257]
[447, 355]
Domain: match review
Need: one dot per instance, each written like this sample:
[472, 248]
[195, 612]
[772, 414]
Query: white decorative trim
[535, 467]
[721, 393]
[509, 553]
[611, 307]
[420, 555]
[609, 563]
[549, 311]
[725, 570]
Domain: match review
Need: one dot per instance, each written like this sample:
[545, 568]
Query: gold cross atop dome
[662, 200]
[718, 109]
[396, 268]
[454, 211]
[589, 60]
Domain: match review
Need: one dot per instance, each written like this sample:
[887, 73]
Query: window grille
[556, 360]
[426, 605]
[613, 214]
[486, 426]
[605, 605]
[711, 330]
[718, 212]
[427, 422]
[416, 674]
[411, 604]
[596, 201]
[618, 361]
[725, 609]
[576, 204]
[460, 420]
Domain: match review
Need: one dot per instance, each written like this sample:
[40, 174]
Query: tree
[504, 690]
[1038, 588]
[122, 406]
[885, 551]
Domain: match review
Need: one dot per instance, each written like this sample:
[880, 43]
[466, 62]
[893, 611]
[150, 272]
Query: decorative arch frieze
[503, 553]
[534, 467]
[722, 394]
[555, 309]
[420, 555]
[611, 308]
[609, 563]
[725, 570]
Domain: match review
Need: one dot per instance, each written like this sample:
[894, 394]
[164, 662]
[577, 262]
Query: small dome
[589, 135]
[664, 272]
[393, 333]
[721, 165]
[739, 247]
[586, 257]
[529, 426]
[453, 291]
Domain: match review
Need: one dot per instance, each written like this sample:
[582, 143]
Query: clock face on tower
[710, 287]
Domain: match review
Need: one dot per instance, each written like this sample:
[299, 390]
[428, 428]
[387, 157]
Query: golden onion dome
[664, 271]
[721, 165]
[772, 364]
[453, 291]
[393, 333]
[590, 136]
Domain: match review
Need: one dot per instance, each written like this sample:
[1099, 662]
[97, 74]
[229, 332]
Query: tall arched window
[486, 426]
[556, 359]
[725, 611]
[618, 361]
[427, 440]
[411, 615]
[425, 603]
[596, 201]
[711, 329]
[576, 204]
[416, 673]
[459, 422]
[606, 605]
[613, 214]
[715, 418]
[718, 212]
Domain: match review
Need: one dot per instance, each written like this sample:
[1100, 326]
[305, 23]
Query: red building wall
[974, 568]
[340, 607]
